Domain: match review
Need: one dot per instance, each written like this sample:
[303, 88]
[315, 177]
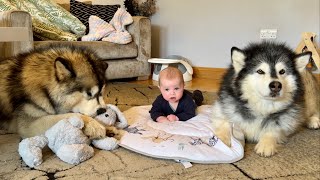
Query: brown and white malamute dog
[269, 93]
[41, 87]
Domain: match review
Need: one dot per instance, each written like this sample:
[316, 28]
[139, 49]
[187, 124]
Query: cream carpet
[298, 159]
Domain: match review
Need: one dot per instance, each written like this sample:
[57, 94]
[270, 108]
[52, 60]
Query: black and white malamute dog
[41, 87]
[269, 93]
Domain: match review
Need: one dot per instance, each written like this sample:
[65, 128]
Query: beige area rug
[298, 159]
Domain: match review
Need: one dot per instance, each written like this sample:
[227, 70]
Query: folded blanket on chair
[119, 21]
[115, 31]
[192, 140]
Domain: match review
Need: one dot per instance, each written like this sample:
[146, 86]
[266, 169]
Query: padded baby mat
[192, 140]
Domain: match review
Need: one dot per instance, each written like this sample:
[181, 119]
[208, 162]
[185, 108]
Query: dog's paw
[225, 137]
[314, 122]
[222, 130]
[116, 133]
[266, 147]
[92, 128]
[120, 134]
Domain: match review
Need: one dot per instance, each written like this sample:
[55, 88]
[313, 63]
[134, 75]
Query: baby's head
[171, 84]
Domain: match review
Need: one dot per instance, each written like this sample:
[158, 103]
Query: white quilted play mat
[188, 141]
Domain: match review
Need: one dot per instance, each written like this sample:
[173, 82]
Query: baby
[174, 103]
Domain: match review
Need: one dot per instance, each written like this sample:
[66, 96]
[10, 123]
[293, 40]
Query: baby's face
[171, 90]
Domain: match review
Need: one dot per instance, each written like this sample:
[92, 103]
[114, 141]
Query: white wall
[205, 30]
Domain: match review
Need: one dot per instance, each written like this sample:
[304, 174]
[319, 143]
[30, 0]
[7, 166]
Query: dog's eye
[282, 71]
[89, 93]
[260, 71]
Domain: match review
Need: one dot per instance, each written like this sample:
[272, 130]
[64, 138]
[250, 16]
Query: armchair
[125, 61]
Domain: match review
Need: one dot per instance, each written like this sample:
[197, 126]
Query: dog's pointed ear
[237, 57]
[106, 65]
[63, 69]
[103, 92]
[101, 67]
[301, 60]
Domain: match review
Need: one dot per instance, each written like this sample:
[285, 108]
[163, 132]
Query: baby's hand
[172, 117]
[162, 119]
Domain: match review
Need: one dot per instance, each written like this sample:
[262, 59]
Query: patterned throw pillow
[83, 11]
[6, 6]
[49, 20]
[108, 2]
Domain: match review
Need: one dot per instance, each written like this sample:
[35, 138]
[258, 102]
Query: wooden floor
[203, 84]
[204, 79]
[196, 83]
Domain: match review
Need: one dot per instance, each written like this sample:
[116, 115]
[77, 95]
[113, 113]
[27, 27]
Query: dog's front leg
[267, 145]
[223, 130]
[221, 126]
[30, 126]
[92, 128]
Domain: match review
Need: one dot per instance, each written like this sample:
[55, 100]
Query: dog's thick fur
[41, 87]
[269, 93]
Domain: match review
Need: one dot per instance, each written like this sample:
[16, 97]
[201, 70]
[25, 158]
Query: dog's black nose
[275, 86]
[101, 111]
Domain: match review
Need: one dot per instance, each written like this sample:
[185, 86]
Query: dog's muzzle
[275, 88]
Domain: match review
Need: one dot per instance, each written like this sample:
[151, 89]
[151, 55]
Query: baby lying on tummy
[174, 103]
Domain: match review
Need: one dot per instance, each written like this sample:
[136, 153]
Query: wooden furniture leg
[308, 43]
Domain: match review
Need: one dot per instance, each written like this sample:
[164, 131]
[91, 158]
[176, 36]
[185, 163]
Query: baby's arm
[189, 109]
[156, 112]
[172, 117]
[184, 116]
[162, 119]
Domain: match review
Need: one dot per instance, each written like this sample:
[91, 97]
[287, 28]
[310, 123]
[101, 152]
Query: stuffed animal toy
[112, 117]
[114, 120]
[67, 140]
